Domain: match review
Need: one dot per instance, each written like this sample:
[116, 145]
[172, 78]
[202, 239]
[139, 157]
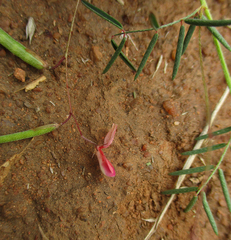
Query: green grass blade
[209, 213]
[219, 132]
[29, 133]
[188, 38]
[207, 23]
[146, 55]
[191, 204]
[225, 188]
[153, 21]
[115, 55]
[102, 14]
[122, 56]
[21, 51]
[180, 190]
[178, 51]
[192, 170]
[205, 149]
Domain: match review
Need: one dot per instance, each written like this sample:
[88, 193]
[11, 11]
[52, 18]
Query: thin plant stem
[67, 86]
[217, 166]
[88, 140]
[163, 26]
[66, 55]
[218, 47]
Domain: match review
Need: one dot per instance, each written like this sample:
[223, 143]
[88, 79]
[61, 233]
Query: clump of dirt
[55, 188]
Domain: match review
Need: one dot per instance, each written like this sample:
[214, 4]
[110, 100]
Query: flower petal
[110, 136]
[105, 166]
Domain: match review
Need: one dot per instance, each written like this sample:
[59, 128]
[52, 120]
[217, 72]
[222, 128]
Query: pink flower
[105, 166]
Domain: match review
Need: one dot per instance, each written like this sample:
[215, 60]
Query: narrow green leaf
[146, 55]
[29, 133]
[188, 38]
[207, 23]
[209, 213]
[191, 204]
[192, 170]
[205, 149]
[153, 21]
[115, 55]
[178, 51]
[122, 56]
[21, 51]
[218, 36]
[225, 188]
[219, 132]
[102, 14]
[180, 190]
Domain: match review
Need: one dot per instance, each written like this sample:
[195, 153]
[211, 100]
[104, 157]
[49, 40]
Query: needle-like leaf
[115, 55]
[153, 21]
[102, 14]
[225, 188]
[191, 170]
[209, 213]
[191, 204]
[122, 56]
[221, 131]
[178, 51]
[146, 55]
[207, 23]
[205, 149]
[180, 190]
[188, 38]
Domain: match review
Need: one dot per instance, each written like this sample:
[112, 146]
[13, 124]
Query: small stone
[70, 18]
[21, 161]
[173, 54]
[171, 108]
[56, 36]
[20, 74]
[170, 227]
[147, 154]
[2, 53]
[222, 202]
[95, 54]
[127, 166]
[48, 109]
[144, 147]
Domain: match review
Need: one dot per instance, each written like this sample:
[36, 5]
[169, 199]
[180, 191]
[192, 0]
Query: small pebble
[20, 74]
[56, 36]
[144, 147]
[2, 53]
[171, 108]
[127, 166]
[170, 227]
[147, 154]
[48, 109]
[222, 202]
[173, 54]
[96, 54]
[70, 18]
[21, 161]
